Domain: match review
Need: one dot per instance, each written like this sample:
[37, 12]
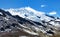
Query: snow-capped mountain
[29, 21]
[26, 12]
[29, 13]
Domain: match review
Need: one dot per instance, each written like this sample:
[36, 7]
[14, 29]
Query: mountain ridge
[48, 25]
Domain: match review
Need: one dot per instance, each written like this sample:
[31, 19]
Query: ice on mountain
[26, 11]
[1, 13]
[32, 21]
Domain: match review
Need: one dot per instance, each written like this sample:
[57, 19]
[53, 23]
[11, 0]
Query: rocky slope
[28, 23]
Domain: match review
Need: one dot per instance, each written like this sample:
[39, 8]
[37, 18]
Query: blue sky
[40, 5]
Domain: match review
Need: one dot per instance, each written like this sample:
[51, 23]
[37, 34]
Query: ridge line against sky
[15, 10]
[40, 5]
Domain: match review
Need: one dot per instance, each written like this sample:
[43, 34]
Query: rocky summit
[17, 26]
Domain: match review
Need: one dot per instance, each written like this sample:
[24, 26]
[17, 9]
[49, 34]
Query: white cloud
[43, 5]
[53, 13]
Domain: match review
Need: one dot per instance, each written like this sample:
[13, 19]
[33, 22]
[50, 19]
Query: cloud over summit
[53, 13]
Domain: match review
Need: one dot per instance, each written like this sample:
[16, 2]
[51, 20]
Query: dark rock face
[9, 23]
[50, 32]
[6, 20]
